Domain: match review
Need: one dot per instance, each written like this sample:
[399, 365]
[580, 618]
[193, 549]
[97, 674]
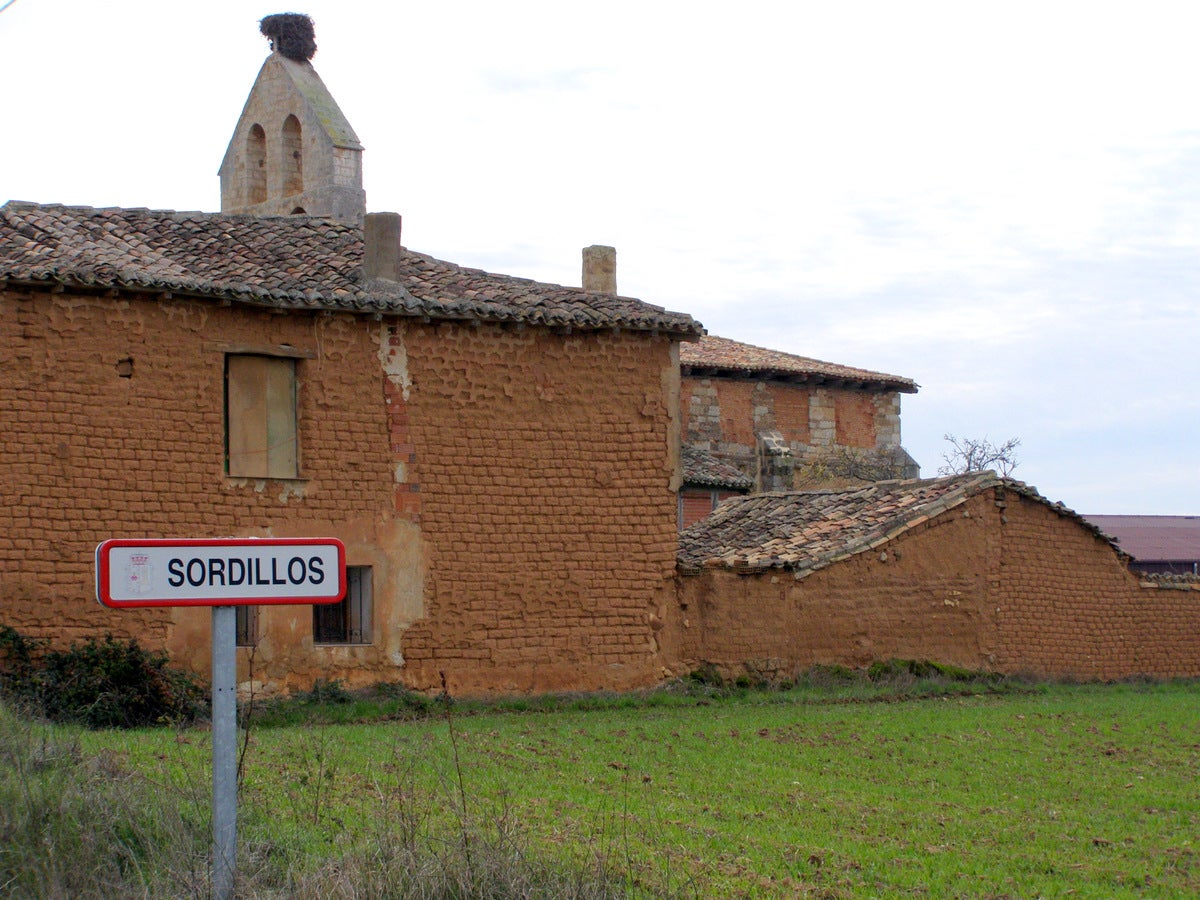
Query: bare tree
[977, 454]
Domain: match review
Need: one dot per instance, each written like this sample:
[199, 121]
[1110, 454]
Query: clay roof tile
[807, 530]
[287, 262]
[722, 355]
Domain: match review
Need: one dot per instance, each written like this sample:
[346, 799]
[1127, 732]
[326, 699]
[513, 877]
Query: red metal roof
[1154, 538]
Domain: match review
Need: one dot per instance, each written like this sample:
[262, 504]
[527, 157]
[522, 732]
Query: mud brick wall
[1014, 588]
[924, 598]
[547, 466]
[112, 425]
[512, 490]
[1079, 611]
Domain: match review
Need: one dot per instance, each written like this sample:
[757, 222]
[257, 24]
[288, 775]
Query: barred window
[348, 622]
[247, 626]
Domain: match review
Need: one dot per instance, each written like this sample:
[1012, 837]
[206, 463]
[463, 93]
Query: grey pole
[224, 751]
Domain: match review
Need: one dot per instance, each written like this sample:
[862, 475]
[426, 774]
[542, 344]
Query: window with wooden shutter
[260, 417]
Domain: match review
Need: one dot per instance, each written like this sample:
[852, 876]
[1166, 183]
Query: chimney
[600, 269]
[381, 251]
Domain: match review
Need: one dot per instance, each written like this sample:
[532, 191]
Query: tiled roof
[718, 354]
[287, 262]
[808, 530]
[1154, 538]
[700, 468]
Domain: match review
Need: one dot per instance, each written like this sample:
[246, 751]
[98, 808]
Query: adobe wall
[548, 466]
[725, 415]
[925, 597]
[512, 490]
[1012, 588]
[1079, 611]
[88, 454]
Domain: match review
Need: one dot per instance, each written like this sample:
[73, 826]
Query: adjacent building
[788, 421]
[1163, 545]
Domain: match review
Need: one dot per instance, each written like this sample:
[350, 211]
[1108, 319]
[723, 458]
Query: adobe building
[506, 461]
[246, 373]
[706, 483]
[974, 570]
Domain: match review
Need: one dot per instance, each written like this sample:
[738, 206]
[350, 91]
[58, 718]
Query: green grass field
[1080, 791]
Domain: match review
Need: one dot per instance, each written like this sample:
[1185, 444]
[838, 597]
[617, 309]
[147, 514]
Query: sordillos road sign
[220, 571]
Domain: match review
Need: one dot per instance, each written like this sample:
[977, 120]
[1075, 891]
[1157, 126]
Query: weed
[83, 826]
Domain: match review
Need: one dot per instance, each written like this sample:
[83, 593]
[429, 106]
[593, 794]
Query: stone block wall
[726, 416]
[1013, 588]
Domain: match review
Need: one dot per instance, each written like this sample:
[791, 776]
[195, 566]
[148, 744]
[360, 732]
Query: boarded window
[348, 622]
[260, 416]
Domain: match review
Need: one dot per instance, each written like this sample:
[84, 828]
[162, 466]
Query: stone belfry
[293, 152]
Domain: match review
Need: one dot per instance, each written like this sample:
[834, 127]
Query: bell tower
[292, 152]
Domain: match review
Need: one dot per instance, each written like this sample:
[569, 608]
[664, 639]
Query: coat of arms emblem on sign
[139, 573]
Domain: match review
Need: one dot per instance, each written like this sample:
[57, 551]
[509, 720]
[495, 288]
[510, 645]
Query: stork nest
[291, 34]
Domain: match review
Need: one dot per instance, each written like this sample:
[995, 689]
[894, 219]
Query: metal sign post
[224, 751]
[223, 574]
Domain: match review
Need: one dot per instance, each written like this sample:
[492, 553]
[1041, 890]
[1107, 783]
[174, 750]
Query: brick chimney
[381, 246]
[600, 269]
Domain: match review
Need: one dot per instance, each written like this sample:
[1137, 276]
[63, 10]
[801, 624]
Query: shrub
[326, 690]
[101, 684]
[904, 671]
[17, 662]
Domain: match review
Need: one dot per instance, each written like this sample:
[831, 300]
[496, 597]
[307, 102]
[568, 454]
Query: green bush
[326, 690]
[101, 684]
[17, 661]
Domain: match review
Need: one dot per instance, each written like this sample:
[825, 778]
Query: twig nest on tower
[291, 34]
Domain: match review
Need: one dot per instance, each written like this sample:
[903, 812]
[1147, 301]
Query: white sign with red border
[220, 571]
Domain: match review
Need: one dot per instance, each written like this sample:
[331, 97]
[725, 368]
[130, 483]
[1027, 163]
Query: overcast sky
[1000, 201]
